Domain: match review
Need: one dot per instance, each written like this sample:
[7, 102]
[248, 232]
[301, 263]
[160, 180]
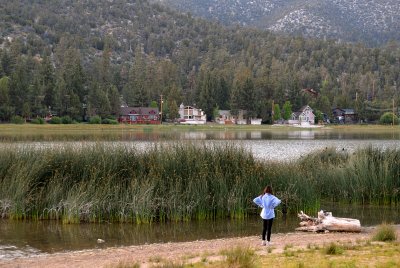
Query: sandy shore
[146, 255]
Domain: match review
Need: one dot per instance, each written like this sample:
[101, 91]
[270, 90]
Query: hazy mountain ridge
[373, 22]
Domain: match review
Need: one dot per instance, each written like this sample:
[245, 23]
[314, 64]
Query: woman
[267, 201]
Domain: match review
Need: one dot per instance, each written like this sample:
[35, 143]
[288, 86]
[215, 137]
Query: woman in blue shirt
[267, 201]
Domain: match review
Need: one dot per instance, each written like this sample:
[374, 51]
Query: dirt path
[189, 251]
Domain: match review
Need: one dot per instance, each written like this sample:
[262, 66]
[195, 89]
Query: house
[243, 118]
[255, 121]
[225, 117]
[191, 115]
[139, 115]
[304, 116]
[343, 116]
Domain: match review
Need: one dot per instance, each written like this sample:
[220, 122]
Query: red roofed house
[139, 115]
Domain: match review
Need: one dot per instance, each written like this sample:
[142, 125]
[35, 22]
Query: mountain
[86, 57]
[373, 22]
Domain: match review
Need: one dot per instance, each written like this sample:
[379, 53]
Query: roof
[348, 111]
[138, 110]
[345, 111]
[304, 108]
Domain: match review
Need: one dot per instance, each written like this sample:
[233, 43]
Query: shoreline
[190, 252]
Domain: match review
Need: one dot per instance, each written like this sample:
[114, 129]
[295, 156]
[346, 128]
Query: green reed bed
[174, 182]
[124, 184]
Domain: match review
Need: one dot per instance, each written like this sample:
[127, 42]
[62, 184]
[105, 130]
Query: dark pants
[267, 226]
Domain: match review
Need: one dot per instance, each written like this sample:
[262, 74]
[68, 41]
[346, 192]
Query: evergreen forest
[85, 58]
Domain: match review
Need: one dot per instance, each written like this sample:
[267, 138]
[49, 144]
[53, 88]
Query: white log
[326, 222]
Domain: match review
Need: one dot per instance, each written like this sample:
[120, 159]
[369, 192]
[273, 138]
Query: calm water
[19, 239]
[32, 238]
[275, 134]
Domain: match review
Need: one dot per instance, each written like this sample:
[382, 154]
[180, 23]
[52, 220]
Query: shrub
[388, 119]
[240, 257]
[385, 233]
[39, 121]
[66, 120]
[333, 249]
[109, 121]
[55, 120]
[16, 119]
[95, 120]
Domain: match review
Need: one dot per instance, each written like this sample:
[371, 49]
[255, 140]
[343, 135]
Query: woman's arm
[258, 201]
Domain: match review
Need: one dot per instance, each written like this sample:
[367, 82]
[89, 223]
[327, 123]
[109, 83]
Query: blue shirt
[267, 202]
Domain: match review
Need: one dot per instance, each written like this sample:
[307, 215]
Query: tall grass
[385, 233]
[175, 182]
[123, 184]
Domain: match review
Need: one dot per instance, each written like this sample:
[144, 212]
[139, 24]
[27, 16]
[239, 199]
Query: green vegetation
[39, 121]
[389, 119]
[175, 182]
[385, 233]
[240, 257]
[55, 120]
[343, 254]
[16, 119]
[333, 249]
[95, 120]
[125, 265]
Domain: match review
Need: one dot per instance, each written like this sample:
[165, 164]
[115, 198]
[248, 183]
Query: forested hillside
[66, 55]
[372, 22]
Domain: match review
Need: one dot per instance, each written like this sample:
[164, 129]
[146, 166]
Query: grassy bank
[361, 254]
[88, 132]
[182, 181]
[351, 252]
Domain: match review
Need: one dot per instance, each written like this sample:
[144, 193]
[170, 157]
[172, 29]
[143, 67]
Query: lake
[22, 239]
[26, 238]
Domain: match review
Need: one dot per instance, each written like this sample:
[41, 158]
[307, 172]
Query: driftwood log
[326, 222]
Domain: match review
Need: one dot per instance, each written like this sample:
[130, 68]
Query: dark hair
[268, 190]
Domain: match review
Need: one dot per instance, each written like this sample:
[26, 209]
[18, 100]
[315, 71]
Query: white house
[304, 117]
[191, 116]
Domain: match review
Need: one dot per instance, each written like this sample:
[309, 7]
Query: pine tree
[207, 94]
[287, 110]
[114, 100]
[6, 110]
[47, 81]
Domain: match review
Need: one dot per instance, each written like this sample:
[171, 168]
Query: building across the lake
[191, 115]
[304, 116]
[343, 116]
[139, 115]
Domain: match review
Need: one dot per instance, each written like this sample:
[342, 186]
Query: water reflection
[19, 238]
[306, 134]
[151, 134]
[303, 134]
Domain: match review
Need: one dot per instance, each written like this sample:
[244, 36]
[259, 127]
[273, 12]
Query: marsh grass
[125, 265]
[385, 233]
[333, 249]
[176, 182]
[181, 182]
[170, 264]
[242, 257]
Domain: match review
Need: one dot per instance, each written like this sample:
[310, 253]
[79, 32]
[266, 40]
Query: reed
[181, 181]
[385, 233]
